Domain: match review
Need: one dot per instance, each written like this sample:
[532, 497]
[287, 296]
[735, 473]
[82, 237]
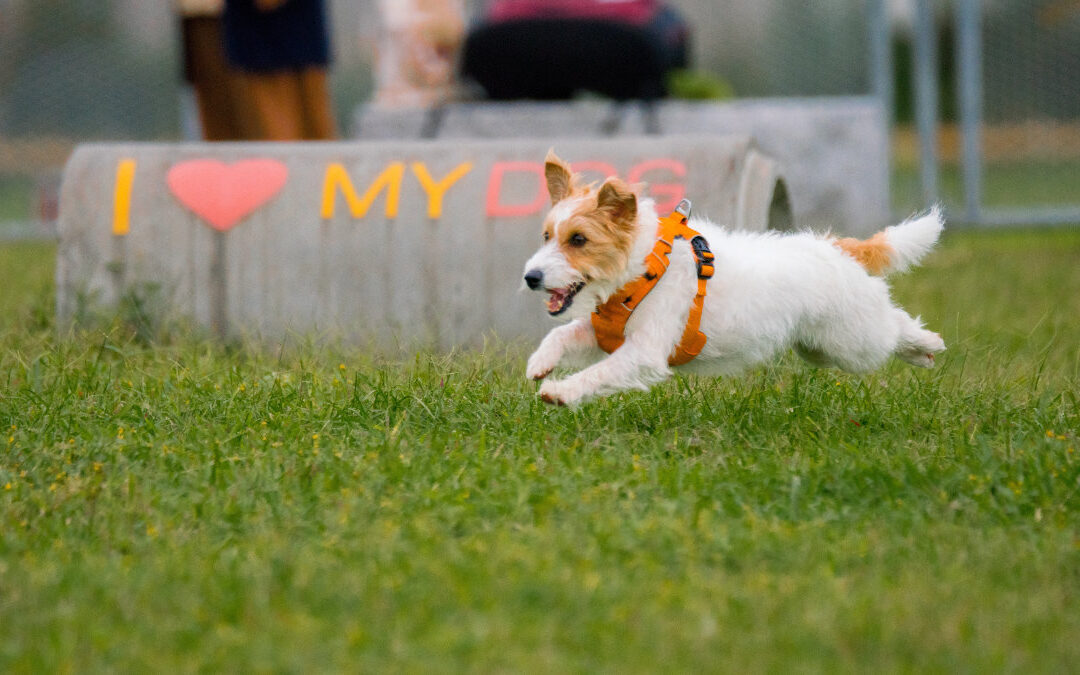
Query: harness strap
[609, 319]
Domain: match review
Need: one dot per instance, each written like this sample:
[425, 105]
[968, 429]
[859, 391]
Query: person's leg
[315, 102]
[276, 105]
[215, 85]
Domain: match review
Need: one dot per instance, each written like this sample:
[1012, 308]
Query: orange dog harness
[609, 320]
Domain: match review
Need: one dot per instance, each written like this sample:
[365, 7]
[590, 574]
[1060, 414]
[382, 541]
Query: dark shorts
[291, 37]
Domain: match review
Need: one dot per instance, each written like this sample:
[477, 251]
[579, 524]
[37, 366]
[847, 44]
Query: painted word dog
[645, 294]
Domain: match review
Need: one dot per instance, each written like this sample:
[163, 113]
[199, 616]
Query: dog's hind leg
[916, 345]
[814, 355]
[858, 341]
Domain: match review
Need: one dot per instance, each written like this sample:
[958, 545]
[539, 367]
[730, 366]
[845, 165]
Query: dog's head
[588, 235]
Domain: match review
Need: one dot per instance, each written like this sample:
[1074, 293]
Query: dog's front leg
[631, 366]
[574, 336]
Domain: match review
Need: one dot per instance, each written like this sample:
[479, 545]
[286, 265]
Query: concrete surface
[396, 242]
[832, 150]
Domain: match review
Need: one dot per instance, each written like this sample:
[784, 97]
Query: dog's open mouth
[560, 298]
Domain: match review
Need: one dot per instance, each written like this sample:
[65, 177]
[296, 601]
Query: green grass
[177, 505]
[16, 196]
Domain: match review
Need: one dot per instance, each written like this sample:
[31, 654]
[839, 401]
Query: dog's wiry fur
[814, 293]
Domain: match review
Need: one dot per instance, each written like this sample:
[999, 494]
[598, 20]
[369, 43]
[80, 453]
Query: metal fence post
[926, 98]
[881, 77]
[190, 125]
[970, 94]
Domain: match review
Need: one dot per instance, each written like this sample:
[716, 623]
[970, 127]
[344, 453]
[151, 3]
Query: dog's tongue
[557, 299]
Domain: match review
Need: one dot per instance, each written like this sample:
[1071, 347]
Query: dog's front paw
[551, 392]
[559, 393]
[540, 364]
[553, 400]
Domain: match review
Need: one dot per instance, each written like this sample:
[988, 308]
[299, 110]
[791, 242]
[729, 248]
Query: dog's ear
[559, 177]
[618, 199]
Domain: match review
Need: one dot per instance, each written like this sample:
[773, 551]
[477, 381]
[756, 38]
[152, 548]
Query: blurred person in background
[281, 52]
[218, 96]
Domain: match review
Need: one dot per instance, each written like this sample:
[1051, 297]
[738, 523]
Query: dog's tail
[897, 247]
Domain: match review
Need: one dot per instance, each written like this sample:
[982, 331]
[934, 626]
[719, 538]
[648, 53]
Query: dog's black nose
[533, 278]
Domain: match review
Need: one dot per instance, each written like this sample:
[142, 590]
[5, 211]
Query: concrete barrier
[833, 151]
[404, 242]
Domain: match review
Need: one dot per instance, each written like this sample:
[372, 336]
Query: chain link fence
[1031, 110]
[1003, 147]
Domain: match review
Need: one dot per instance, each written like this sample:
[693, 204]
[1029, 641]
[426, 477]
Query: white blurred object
[417, 52]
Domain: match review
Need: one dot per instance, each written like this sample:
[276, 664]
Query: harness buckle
[684, 207]
[703, 256]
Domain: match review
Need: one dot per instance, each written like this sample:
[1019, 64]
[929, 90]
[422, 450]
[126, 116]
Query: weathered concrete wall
[402, 242]
[833, 151]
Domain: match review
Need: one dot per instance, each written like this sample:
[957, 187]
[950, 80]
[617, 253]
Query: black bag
[551, 49]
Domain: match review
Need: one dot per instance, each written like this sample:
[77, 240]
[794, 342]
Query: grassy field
[176, 505]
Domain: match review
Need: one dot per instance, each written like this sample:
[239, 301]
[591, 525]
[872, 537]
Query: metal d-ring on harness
[609, 319]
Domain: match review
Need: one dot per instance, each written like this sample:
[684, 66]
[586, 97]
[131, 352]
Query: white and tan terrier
[820, 295]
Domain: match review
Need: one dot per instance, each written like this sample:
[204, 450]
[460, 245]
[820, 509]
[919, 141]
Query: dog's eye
[547, 235]
[577, 239]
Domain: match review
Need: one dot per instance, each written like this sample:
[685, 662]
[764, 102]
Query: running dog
[645, 294]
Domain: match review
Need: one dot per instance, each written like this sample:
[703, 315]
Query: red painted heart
[224, 194]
